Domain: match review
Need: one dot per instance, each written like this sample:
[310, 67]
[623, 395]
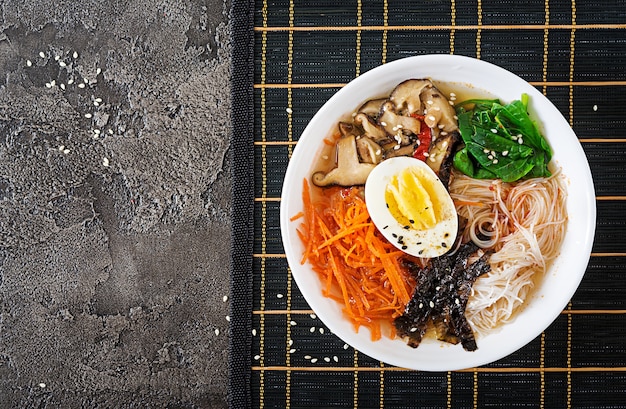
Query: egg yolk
[412, 200]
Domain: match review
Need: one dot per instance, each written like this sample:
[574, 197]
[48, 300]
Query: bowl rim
[576, 249]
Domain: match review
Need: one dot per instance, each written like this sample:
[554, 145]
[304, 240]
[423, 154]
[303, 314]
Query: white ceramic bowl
[559, 284]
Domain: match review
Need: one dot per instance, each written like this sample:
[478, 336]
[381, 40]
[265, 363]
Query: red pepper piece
[425, 137]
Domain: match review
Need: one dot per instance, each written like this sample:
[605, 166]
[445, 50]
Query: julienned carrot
[357, 266]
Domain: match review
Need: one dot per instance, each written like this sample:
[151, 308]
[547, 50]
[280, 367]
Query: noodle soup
[512, 232]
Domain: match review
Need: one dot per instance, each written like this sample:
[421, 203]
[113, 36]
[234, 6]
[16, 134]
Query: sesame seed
[396, 147]
[66, 151]
[485, 150]
[490, 157]
[493, 153]
[413, 329]
[75, 55]
[257, 357]
[254, 332]
[595, 107]
[520, 141]
[62, 86]
[312, 329]
[383, 123]
[443, 133]
[378, 152]
[61, 147]
[421, 305]
[293, 323]
[53, 83]
[452, 94]
[327, 359]
[431, 304]
[313, 316]
[289, 110]
[88, 115]
[48, 85]
[225, 298]
[495, 161]
[436, 109]
[41, 54]
[438, 288]
[279, 296]
[42, 385]
[321, 330]
[96, 103]
[307, 357]
[457, 301]
[105, 162]
[426, 154]
[96, 131]
[228, 318]
[431, 118]
[290, 342]
[335, 358]
[494, 130]
[57, 58]
[98, 71]
[504, 153]
[325, 157]
[62, 64]
[29, 63]
[430, 102]
[456, 117]
[346, 346]
[81, 85]
[217, 331]
[70, 81]
[441, 126]
[99, 100]
[313, 360]
[292, 350]
[110, 131]
[432, 158]
[451, 102]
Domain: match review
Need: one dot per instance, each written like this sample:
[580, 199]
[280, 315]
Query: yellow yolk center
[412, 201]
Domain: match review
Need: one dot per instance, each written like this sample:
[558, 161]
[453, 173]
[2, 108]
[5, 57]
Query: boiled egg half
[411, 207]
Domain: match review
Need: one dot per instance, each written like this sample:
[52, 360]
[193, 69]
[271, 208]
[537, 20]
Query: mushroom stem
[349, 170]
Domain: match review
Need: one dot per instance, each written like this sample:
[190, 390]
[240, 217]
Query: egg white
[428, 243]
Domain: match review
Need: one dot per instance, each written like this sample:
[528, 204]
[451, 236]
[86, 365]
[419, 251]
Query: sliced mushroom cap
[349, 170]
[372, 107]
[406, 96]
[347, 129]
[369, 151]
[398, 125]
[441, 151]
[401, 151]
[438, 111]
[371, 129]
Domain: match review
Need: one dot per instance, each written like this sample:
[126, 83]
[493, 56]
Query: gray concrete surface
[114, 203]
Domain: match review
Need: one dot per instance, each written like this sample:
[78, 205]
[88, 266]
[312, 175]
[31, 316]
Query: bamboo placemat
[572, 51]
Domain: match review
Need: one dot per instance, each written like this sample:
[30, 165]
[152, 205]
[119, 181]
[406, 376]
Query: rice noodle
[524, 224]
